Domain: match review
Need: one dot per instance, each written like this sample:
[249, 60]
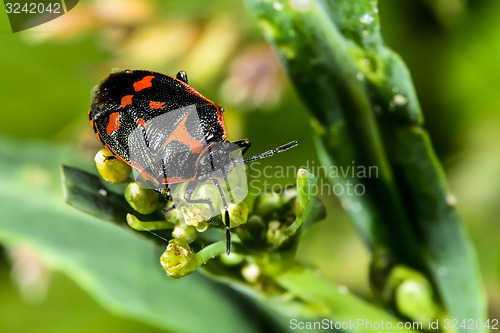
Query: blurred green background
[452, 48]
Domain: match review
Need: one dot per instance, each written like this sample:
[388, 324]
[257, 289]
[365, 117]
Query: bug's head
[218, 160]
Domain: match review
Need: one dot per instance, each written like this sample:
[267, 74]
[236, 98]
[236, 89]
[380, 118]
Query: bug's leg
[168, 209]
[111, 157]
[228, 233]
[226, 216]
[190, 188]
[168, 193]
[243, 144]
[168, 197]
[182, 76]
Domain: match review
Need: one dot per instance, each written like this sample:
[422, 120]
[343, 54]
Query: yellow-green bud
[185, 232]
[238, 214]
[412, 293]
[111, 169]
[141, 199]
[231, 259]
[202, 226]
[192, 214]
[276, 233]
[178, 260]
[413, 298]
[195, 216]
[209, 191]
[171, 215]
[251, 273]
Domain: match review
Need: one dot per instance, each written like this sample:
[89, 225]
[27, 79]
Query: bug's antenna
[166, 240]
[271, 152]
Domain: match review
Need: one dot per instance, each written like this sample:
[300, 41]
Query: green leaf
[366, 114]
[339, 304]
[311, 209]
[115, 265]
[87, 192]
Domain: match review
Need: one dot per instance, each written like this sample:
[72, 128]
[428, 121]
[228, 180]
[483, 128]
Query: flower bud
[276, 233]
[251, 273]
[202, 226]
[238, 214]
[178, 260]
[194, 216]
[411, 293]
[267, 203]
[185, 232]
[171, 215]
[413, 298]
[110, 168]
[141, 199]
[208, 190]
[231, 259]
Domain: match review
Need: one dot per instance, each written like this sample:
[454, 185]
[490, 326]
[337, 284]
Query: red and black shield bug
[168, 132]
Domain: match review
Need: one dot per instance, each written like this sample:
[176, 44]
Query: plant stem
[211, 251]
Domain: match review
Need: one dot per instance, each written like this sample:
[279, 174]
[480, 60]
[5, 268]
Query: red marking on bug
[156, 105]
[144, 83]
[126, 100]
[182, 135]
[114, 123]
[141, 122]
[176, 179]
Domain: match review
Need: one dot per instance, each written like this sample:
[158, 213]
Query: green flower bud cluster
[268, 226]
[265, 238]
[178, 259]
